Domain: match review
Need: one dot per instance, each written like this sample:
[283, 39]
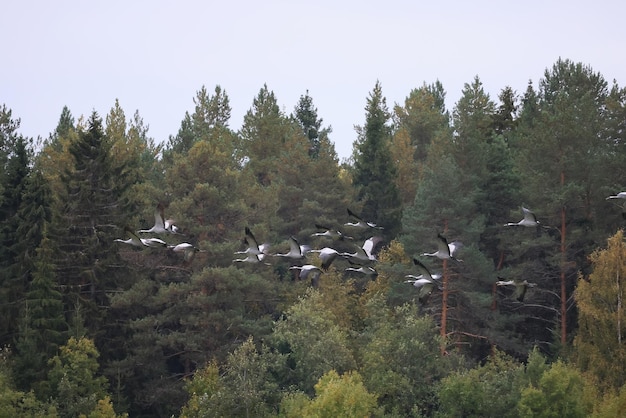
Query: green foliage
[86, 224]
[212, 112]
[266, 131]
[15, 403]
[104, 409]
[400, 360]
[599, 344]
[306, 115]
[13, 280]
[242, 390]
[374, 171]
[560, 392]
[74, 382]
[335, 396]
[312, 341]
[416, 125]
[203, 389]
[611, 405]
[491, 390]
[43, 327]
[157, 318]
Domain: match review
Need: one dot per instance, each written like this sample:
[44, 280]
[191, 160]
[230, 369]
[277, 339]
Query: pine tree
[560, 146]
[416, 125]
[374, 171]
[266, 131]
[211, 111]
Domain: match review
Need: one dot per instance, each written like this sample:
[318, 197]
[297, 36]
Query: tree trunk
[563, 264]
[444, 298]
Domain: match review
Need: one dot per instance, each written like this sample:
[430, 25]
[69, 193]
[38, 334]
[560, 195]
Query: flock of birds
[162, 226]
[426, 282]
[361, 260]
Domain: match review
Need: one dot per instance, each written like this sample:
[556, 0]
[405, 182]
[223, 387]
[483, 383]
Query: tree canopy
[246, 271]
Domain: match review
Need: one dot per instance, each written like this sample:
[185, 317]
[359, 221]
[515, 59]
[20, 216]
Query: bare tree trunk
[444, 306]
[444, 299]
[563, 264]
[619, 306]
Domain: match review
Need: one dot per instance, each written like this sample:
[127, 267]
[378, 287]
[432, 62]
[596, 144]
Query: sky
[154, 56]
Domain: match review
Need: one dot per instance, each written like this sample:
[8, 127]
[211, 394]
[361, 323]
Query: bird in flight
[529, 220]
[360, 223]
[141, 242]
[445, 250]
[620, 195]
[521, 286]
[296, 251]
[364, 253]
[161, 225]
[327, 255]
[253, 246]
[424, 282]
[308, 270]
[329, 232]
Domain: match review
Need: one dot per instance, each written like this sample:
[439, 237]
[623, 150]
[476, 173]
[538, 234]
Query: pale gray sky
[155, 55]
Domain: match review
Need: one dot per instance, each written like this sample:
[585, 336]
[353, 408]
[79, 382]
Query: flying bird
[368, 271]
[364, 253]
[424, 282]
[360, 223]
[161, 226]
[423, 271]
[308, 270]
[296, 251]
[171, 227]
[133, 240]
[329, 232]
[327, 255]
[620, 195]
[186, 249]
[154, 242]
[250, 258]
[445, 250]
[141, 242]
[521, 286]
[253, 245]
[529, 220]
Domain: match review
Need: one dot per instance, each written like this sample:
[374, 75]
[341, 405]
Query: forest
[251, 273]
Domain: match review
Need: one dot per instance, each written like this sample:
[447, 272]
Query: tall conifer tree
[87, 223]
[560, 148]
[12, 283]
[374, 171]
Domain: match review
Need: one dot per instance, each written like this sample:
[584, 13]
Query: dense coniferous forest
[231, 272]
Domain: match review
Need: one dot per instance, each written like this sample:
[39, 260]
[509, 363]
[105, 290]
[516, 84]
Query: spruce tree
[12, 282]
[306, 115]
[64, 127]
[374, 171]
[86, 224]
[42, 323]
